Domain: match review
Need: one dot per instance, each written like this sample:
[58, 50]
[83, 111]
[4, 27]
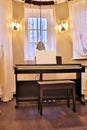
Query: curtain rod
[39, 2]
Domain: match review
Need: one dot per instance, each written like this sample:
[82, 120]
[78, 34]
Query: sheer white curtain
[78, 17]
[34, 11]
[6, 57]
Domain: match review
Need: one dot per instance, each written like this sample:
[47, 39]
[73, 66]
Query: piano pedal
[50, 101]
[53, 100]
[45, 101]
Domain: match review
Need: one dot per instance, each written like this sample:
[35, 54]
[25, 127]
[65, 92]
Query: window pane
[32, 23]
[44, 36]
[38, 23]
[42, 23]
[38, 34]
[32, 36]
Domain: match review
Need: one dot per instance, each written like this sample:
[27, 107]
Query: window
[36, 33]
[38, 29]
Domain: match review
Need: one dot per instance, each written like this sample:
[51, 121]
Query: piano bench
[56, 85]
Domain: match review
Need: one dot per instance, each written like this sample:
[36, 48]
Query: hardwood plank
[55, 117]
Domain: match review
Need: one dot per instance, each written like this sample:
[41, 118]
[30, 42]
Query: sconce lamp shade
[15, 26]
[63, 27]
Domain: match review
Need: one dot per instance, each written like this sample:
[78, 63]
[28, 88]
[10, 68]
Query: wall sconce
[63, 27]
[15, 26]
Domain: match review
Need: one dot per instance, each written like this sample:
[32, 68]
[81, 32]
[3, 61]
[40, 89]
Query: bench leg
[38, 103]
[74, 100]
[68, 100]
[41, 101]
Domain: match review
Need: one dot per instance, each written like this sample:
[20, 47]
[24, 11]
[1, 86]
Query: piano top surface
[49, 67]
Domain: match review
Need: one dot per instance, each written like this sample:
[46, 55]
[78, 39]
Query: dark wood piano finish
[28, 89]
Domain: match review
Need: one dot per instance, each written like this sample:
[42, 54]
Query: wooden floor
[55, 117]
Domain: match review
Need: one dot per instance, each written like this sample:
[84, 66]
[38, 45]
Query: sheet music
[45, 57]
